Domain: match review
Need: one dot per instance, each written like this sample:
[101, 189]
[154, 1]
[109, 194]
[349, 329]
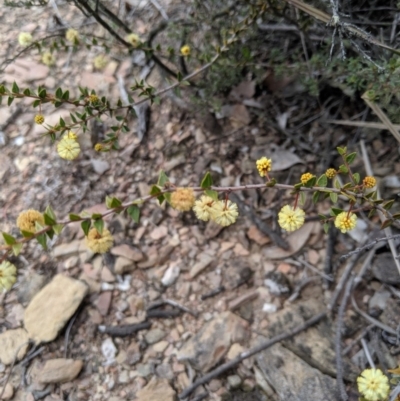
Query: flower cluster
[100, 61]
[133, 39]
[48, 59]
[263, 166]
[39, 119]
[346, 221]
[182, 199]
[369, 182]
[185, 50]
[72, 35]
[331, 173]
[8, 276]
[99, 243]
[373, 385]
[25, 39]
[223, 212]
[291, 219]
[68, 148]
[305, 178]
[28, 219]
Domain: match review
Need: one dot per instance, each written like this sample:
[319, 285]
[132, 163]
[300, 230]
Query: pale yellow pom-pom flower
[182, 199]
[100, 61]
[224, 213]
[133, 39]
[48, 59]
[99, 243]
[373, 385]
[68, 149]
[72, 35]
[27, 219]
[25, 39]
[8, 275]
[185, 50]
[345, 221]
[203, 207]
[263, 166]
[331, 173]
[291, 219]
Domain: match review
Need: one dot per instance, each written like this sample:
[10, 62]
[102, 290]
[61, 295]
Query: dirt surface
[259, 279]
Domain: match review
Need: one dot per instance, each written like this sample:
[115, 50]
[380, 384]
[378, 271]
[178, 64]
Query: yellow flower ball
[345, 221]
[224, 213]
[100, 61]
[369, 182]
[182, 199]
[291, 219]
[68, 149]
[39, 119]
[25, 39]
[98, 147]
[8, 275]
[133, 39]
[203, 207]
[48, 59]
[185, 50]
[373, 385]
[263, 166]
[93, 99]
[72, 35]
[331, 173]
[305, 178]
[99, 243]
[27, 220]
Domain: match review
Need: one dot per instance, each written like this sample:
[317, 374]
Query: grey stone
[154, 336]
[59, 370]
[10, 342]
[156, 389]
[234, 381]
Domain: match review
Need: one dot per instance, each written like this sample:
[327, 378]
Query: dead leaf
[296, 241]
[245, 90]
[240, 116]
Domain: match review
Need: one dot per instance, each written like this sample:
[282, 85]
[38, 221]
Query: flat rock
[127, 252]
[315, 345]
[10, 342]
[52, 307]
[212, 342]
[154, 336]
[292, 378]
[8, 392]
[66, 249]
[100, 166]
[59, 370]
[156, 389]
[123, 265]
[199, 266]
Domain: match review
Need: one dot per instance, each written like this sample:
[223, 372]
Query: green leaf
[212, 194]
[343, 169]
[10, 100]
[167, 197]
[62, 122]
[206, 182]
[315, 196]
[17, 249]
[311, 182]
[302, 200]
[26, 234]
[156, 192]
[74, 217]
[386, 224]
[334, 197]
[271, 183]
[50, 233]
[388, 205]
[335, 211]
[9, 239]
[371, 213]
[351, 197]
[396, 216]
[336, 183]
[48, 220]
[115, 202]
[341, 151]
[97, 216]
[58, 228]
[42, 93]
[14, 88]
[322, 181]
[298, 185]
[162, 179]
[27, 92]
[65, 96]
[326, 227]
[99, 225]
[134, 213]
[42, 240]
[86, 226]
[59, 93]
[356, 178]
[350, 157]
